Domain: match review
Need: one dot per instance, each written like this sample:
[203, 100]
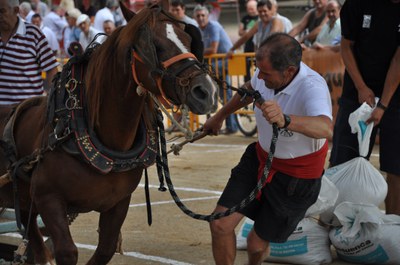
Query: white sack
[326, 199]
[308, 244]
[367, 236]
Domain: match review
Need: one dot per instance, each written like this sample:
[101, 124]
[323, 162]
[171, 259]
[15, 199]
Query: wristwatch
[381, 106]
[287, 121]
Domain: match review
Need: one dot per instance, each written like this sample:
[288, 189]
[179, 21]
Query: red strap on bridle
[165, 64]
[177, 58]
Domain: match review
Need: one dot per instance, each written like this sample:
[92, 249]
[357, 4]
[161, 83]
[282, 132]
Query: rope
[165, 174]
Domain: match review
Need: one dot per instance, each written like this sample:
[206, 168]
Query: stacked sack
[366, 235]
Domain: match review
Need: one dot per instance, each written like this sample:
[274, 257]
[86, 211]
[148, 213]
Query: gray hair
[13, 3]
[200, 8]
[112, 3]
[25, 6]
[281, 50]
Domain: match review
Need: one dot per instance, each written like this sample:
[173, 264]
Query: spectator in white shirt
[88, 33]
[104, 14]
[25, 11]
[50, 36]
[56, 21]
[40, 8]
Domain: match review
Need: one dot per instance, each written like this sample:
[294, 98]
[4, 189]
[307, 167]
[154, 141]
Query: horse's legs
[110, 224]
[41, 254]
[53, 213]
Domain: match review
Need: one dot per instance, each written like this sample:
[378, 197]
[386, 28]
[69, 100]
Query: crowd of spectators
[318, 29]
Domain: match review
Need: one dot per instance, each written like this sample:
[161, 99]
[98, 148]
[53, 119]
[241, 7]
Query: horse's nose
[202, 98]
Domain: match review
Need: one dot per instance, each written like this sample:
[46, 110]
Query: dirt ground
[199, 174]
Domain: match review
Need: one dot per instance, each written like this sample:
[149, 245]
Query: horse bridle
[165, 71]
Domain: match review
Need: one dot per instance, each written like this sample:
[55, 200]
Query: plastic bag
[357, 123]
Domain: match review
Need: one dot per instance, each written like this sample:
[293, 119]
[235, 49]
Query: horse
[153, 54]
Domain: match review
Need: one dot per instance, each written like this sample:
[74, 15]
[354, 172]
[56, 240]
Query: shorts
[345, 143]
[283, 203]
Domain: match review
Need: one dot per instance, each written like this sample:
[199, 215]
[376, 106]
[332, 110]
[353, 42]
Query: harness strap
[178, 58]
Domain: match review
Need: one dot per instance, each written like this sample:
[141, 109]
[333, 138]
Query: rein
[163, 170]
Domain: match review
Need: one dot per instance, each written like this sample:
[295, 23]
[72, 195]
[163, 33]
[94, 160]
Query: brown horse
[152, 50]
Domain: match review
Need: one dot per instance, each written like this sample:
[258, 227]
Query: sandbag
[358, 181]
[327, 198]
[308, 244]
[367, 235]
[241, 237]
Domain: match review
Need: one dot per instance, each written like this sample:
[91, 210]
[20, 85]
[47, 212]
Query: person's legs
[344, 142]
[390, 156]
[392, 201]
[242, 181]
[223, 237]
[257, 248]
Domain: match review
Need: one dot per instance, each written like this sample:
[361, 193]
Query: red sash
[308, 166]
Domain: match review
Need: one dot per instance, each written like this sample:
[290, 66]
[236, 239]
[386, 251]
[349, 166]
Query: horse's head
[167, 58]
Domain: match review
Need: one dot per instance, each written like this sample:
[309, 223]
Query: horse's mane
[109, 66]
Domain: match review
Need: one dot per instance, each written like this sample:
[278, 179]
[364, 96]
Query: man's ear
[16, 10]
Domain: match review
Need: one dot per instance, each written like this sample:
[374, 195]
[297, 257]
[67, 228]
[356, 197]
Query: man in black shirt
[370, 49]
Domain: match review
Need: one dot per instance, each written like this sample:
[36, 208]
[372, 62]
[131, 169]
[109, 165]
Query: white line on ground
[171, 201]
[130, 254]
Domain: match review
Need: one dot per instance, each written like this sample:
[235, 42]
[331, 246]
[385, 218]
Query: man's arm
[50, 75]
[314, 33]
[242, 40]
[392, 82]
[317, 127]
[301, 25]
[214, 124]
[365, 94]
[212, 49]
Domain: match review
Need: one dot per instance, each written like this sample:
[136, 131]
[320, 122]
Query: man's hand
[272, 113]
[366, 95]
[376, 116]
[213, 125]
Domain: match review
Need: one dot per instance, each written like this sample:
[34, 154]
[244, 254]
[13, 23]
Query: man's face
[108, 27]
[201, 18]
[84, 26]
[251, 8]
[177, 11]
[333, 11]
[273, 79]
[265, 14]
[36, 21]
[71, 21]
[320, 3]
[8, 16]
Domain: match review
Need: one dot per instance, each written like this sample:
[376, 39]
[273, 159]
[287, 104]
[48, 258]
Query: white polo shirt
[306, 95]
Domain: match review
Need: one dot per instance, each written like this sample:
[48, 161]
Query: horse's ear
[128, 14]
[164, 4]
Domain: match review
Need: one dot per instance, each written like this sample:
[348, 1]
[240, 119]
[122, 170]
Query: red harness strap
[308, 166]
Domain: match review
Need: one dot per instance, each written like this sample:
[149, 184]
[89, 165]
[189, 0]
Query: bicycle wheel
[246, 121]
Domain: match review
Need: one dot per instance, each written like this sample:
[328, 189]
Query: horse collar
[67, 113]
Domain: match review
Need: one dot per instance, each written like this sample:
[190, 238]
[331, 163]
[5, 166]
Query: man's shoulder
[32, 30]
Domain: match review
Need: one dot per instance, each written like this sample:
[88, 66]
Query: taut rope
[163, 173]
